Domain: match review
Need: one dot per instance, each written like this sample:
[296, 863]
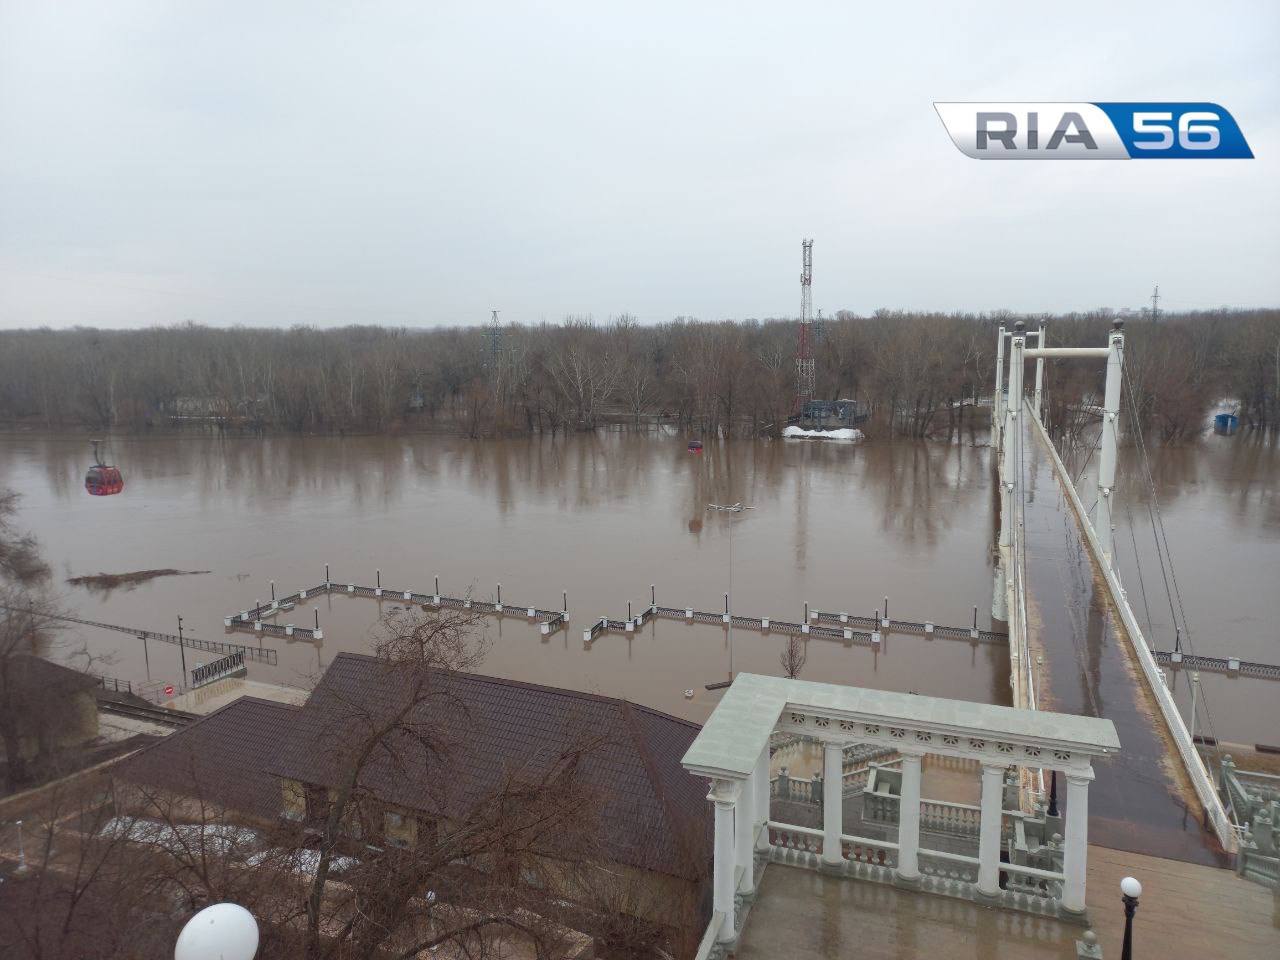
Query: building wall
[73, 724]
[648, 894]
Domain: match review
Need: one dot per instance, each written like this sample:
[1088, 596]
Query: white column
[909, 819]
[1006, 528]
[761, 807]
[744, 836]
[1012, 436]
[1014, 405]
[724, 793]
[1039, 370]
[999, 598]
[1075, 853]
[989, 830]
[997, 403]
[1107, 453]
[832, 803]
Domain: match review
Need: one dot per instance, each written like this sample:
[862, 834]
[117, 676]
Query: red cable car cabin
[103, 479]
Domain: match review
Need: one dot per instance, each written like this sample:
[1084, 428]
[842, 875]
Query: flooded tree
[793, 657]
[36, 720]
[913, 370]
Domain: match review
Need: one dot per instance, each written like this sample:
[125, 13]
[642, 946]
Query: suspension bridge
[1075, 645]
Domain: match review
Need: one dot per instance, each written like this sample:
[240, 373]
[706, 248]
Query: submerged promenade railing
[254, 618]
[847, 627]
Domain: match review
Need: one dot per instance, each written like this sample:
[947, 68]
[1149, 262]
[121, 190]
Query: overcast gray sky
[421, 163]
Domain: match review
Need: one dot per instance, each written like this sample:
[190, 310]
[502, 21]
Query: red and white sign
[168, 691]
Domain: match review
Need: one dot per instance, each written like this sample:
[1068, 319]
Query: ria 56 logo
[1094, 131]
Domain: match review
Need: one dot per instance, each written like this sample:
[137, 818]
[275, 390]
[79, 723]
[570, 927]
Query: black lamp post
[1130, 891]
[182, 652]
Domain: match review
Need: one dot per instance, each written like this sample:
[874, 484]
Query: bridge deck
[1142, 799]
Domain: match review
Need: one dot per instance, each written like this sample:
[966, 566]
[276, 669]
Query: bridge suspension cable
[1162, 540]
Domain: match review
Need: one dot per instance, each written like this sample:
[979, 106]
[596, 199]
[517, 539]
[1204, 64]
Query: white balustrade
[954, 867]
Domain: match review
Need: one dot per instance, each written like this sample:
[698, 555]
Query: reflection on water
[602, 516]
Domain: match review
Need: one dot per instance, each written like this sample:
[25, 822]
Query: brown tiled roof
[655, 814]
[224, 758]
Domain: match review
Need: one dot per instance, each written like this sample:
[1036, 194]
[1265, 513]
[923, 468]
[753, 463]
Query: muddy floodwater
[603, 517]
[1219, 501]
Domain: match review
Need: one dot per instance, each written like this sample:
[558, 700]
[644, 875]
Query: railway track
[137, 711]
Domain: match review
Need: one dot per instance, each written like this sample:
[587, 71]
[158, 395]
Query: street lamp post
[728, 597]
[22, 853]
[1130, 891]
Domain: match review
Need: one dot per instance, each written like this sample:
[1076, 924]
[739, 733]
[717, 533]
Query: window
[317, 804]
[294, 806]
[398, 829]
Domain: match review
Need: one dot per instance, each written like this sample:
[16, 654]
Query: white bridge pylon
[1007, 422]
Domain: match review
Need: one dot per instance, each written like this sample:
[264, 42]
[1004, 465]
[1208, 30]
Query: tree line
[730, 378]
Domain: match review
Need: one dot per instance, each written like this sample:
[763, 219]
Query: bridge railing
[212, 672]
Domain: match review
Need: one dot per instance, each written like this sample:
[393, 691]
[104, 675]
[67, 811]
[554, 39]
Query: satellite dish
[223, 931]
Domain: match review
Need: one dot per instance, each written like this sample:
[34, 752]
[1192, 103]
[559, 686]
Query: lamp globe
[222, 931]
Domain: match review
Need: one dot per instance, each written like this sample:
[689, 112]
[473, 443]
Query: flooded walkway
[1142, 799]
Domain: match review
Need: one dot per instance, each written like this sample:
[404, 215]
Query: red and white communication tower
[805, 381]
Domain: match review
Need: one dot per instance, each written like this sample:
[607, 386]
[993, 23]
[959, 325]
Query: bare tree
[586, 380]
[20, 560]
[793, 657]
[88, 890]
[484, 853]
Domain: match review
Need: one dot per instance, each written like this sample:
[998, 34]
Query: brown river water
[602, 517]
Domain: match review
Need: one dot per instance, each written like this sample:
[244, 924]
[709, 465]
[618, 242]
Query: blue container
[1226, 423]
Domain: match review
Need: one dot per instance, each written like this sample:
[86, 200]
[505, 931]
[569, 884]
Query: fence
[115, 684]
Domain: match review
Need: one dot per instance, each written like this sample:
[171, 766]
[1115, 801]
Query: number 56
[1195, 130]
